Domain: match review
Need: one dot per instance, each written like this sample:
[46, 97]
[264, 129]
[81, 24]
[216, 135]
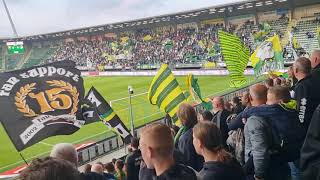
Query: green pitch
[114, 89]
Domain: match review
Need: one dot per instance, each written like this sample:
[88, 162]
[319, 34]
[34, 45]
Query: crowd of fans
[271, 132]
[144, 46]
[169, 44]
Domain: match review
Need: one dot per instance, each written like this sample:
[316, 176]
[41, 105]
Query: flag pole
[130, 91]
[23, 159]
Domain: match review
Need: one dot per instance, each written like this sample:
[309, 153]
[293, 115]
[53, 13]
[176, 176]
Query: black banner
[98, 106]
[41, 101]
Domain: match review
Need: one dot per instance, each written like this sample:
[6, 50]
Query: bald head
[65, 151]
[97, 168]
[258, 93]
[315, 58]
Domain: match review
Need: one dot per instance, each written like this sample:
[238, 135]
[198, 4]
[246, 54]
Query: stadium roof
[214, 12]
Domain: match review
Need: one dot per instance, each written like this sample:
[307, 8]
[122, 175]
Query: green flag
[166, 93]
[236, 57]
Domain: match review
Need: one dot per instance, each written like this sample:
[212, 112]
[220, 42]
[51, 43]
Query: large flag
[268, 56]
[166, 93]
[98, 106]
[236, 56]
[41, 101]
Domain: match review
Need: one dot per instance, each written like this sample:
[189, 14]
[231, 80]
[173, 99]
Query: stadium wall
[217, 72]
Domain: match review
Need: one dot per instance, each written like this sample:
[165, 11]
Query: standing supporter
[106, 174]
[110, 168]
[219, 164]
[157, 147]
[237, 107]
[49, 168]
[188, 117]
[133, 160]
[258, 141]
[310, 156]
[205, 116]
[220, 117]
[69, 153]
[120, 174]
[305, 91]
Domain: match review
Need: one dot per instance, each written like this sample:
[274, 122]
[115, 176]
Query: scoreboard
[15, 47]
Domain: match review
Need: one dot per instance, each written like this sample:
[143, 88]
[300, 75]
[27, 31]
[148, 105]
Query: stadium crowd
[144, 47]
[271, 132]
[174, 45]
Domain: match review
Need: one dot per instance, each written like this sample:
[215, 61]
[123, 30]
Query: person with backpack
[287, 133]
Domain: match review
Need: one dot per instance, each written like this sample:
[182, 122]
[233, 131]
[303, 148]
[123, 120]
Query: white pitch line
[47, 144]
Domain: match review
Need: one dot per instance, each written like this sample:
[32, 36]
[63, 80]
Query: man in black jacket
[133, 160]
[310, 151]
[220, 117]
[157, 147]
[305, 92]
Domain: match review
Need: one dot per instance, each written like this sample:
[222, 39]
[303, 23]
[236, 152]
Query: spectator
[219, 164]
[205, 116]
[268, 83]
[305, 91]
[310, 149]
[157, 146]
[228, 106]
[49, 168]
[245, 100]
[87, 168]
[133, 160]
[258, 141]
[120, 174]
[220, 117]
[187, 114]
[97, 168]
[66, 152]
[110, 168]
[105, 174]
[237, 106]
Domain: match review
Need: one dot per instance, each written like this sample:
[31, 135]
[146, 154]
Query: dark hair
[87, 168]
[109, 167]
[119, 164]
[210, 136]
[49, 168]
[207, 115]
[175, 128]
[236, 100]
[269, 82]
[114, 160]
[187, 115]
[134, 142]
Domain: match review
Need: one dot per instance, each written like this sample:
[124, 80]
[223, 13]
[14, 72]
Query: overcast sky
[43, 16]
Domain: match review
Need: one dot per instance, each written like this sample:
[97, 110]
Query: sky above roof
[33, 17]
